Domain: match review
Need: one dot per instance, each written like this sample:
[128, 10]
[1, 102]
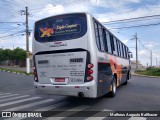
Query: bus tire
[114, 88]
[125, 83]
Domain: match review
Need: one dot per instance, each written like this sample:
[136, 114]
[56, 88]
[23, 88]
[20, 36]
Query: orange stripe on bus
[117, 70]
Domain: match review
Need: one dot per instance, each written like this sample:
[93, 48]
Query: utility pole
[156, 62]
[136, 52]
[135, 38]
[25, 12]
[151, 58]
[27, 43]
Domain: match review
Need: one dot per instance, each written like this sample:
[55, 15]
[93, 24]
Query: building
[133, 66]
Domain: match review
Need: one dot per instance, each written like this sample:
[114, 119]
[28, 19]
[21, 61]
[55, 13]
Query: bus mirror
[130, 55]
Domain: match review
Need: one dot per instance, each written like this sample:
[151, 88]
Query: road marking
[47, 108]
[94, 117]
[137, 118]
[15, 118]
[10, 95]
[74, 110]
[29, 105]
[18, 101]
[13, 98]
[4, 93]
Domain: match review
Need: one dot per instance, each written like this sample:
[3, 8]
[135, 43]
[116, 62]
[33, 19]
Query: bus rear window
[59, 28]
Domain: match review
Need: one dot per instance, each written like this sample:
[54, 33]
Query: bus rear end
[61, 57]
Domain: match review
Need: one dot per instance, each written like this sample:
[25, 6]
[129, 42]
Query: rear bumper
[88, 89]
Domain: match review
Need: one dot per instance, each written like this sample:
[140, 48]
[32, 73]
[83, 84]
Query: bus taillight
[34, 71]
[35, 74]
[89, 78]
[90, 65]
[89, 72]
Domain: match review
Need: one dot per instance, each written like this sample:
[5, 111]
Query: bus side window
[101, 39]
[112, 44]
[121, 49]
[118, 50]
[105, 40]
[127, 52]
[115, 46]
[120, 54]
[124, 51]
[96, 34]
[108, 41]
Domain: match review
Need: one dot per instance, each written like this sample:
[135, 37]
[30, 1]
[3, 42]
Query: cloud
[52, 9]
[151, 44]
[48, 10]
[117, 10]
[103, 10]
[113, 3]
[142, 52]
[124, 41]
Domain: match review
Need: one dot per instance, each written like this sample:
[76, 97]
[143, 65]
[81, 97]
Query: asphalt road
[140, 94]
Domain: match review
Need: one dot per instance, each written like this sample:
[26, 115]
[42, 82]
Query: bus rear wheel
[125, 83]
[114, 88]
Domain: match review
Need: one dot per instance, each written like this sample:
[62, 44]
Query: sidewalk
[16, 68]
[134, 74]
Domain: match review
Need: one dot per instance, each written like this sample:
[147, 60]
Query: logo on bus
[58, 44]
[46, 32]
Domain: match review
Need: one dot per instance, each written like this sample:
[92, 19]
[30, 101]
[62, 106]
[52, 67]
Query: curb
[144, 75]
[15, 72]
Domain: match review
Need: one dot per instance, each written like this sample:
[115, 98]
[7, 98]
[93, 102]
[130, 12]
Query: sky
[12, 21]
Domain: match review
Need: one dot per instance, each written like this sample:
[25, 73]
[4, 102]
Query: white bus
[75, 55]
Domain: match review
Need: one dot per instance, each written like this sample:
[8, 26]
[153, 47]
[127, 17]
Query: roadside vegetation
[150, 71]
[12, 57]
[15, 71]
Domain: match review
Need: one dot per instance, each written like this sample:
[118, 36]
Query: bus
[75, 55]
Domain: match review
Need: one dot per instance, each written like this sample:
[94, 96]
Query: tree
[13, 55]
[20, 54]
[2, 56]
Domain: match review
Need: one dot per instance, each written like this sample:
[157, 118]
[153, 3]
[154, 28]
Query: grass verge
[15, 71]
[149, 72]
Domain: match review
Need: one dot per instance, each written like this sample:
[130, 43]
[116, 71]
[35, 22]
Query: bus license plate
[59, 80]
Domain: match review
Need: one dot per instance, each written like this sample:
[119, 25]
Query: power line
[18, 34]
[137, 20]
[143, 45]
[135, 26]
[9, 22]
[11, 34]
[131, 19]
[10, 29]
